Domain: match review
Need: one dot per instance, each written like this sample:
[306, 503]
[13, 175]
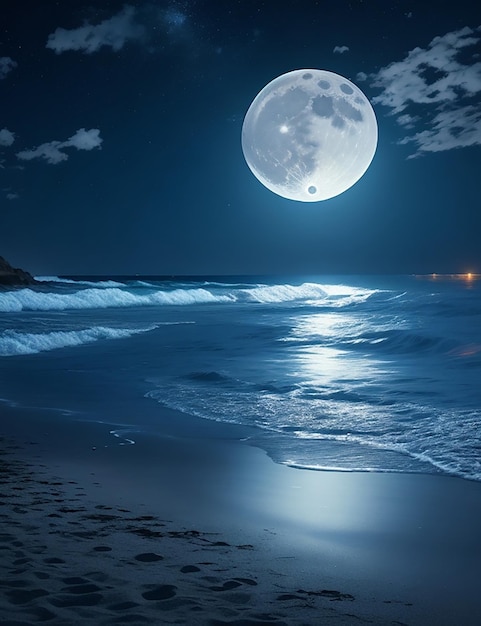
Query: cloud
[340, 49]
[9, 193]
[148, 24]
[114, 33]
[449, 129]
[84, 139]
[6, 66]
[6, 137]
[438, 87]
[53, 151]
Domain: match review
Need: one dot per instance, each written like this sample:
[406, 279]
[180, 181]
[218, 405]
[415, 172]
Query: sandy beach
[208, 530]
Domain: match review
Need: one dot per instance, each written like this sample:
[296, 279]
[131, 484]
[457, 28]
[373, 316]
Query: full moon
[309, 135]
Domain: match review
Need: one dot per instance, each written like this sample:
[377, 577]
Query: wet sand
[208, 530]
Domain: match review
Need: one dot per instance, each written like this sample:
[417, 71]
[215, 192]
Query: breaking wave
[337, 295]
[111, 294]
[273, 294]
[30, 300]
[69, 281]
[13, 343]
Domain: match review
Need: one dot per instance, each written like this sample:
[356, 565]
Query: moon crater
[346, 89]
[309, 135]
[323, 106]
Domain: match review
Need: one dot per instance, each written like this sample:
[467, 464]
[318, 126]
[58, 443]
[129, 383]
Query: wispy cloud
[54, 151]
[147, 24]
[114, 32]
[340, 49]
[436, 89]
[6, 137]
[6, 66]
[9, 194]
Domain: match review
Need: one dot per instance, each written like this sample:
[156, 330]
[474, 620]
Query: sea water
[351, 373]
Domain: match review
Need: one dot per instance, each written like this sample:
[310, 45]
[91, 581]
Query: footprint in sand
[332, 594]
[160, 592]
[22, 596]
[189, 569]
[229, 584]
[233, 584]
[148, 557]
[53, 560]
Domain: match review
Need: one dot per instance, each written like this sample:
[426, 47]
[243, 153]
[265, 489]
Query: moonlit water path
[353, 374]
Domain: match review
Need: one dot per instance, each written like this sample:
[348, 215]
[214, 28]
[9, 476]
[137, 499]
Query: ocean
[352, 373]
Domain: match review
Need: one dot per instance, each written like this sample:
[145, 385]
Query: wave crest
[107, 294]
[13, 343]
[69, 281]
[31, 300]
[272, 294]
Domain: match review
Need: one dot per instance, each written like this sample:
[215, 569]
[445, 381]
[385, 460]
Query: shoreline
[339, 546]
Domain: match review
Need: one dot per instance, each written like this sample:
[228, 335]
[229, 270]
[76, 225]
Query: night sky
[120, 128]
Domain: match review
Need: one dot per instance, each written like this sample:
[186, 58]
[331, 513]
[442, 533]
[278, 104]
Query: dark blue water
[358, 373]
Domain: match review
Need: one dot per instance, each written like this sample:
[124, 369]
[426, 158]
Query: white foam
[30, 300]
[272, 294]
[89, 283]
[13, 343]
[119, 434]
[111, 294]
[334, 295]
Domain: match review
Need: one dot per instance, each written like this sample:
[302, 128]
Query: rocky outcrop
[12, 276]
